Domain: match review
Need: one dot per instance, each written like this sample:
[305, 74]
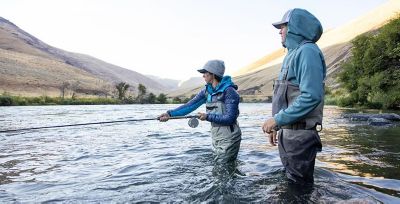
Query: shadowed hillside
[31, 67]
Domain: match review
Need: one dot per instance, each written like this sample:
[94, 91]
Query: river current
[152, 162]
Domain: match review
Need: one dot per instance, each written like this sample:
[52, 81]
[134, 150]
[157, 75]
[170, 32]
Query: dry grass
[335, 44]
[30, 67]
[29, 75]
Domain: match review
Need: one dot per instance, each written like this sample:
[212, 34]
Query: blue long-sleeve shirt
[231, 100]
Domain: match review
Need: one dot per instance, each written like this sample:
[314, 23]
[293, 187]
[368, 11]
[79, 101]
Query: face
[283, 32]
[208, 77]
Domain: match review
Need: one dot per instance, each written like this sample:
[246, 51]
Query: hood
[225, 83]
[302, 26]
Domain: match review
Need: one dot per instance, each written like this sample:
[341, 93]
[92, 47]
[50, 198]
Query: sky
[170, 38]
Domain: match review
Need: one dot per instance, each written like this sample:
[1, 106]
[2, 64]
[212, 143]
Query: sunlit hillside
[255, 80]
[259, 64]
[338, 36]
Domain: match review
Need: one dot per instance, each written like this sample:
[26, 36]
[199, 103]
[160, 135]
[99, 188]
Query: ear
[213, 76]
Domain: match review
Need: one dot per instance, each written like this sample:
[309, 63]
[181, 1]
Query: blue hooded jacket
[307, 66]
[231, 101]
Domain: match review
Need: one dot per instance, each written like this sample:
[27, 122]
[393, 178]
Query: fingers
[272, 138]
[163, 117]
[202, 116]
[266, 127]
[271, 141]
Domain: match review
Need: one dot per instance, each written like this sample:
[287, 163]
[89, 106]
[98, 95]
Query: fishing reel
[193, 122]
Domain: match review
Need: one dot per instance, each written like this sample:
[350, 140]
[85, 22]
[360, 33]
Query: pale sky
[170, 38]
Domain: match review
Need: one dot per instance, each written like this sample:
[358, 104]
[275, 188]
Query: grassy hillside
[335, 44]
[29, 75]
[255, 80]
[30, 67]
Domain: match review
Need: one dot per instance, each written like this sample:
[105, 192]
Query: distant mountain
[170, 84]
[191, 82]
[29, 66]
[187, 86]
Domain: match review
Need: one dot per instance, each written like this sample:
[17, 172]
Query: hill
[255, 80]
[30, 67]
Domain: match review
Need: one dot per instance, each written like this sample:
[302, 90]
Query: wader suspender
[298, 124]
[211, 108]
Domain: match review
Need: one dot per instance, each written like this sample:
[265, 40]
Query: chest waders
[298, 143]
[225, 139]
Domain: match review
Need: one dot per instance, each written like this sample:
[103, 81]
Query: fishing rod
[193, 122]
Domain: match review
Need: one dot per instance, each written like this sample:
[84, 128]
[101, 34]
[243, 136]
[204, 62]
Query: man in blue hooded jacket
[298, 97]
[222, 110]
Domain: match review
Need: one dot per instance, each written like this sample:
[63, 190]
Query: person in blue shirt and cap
[298, 97]
[222, 110]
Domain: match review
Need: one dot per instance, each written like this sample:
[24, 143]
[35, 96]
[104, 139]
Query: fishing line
[193, 122]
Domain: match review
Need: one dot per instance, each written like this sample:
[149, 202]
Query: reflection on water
[170, 162]
[371, 155]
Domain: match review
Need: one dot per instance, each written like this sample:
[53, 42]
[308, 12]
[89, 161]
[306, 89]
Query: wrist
[207, 117]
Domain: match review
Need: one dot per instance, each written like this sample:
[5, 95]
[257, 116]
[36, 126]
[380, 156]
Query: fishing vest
[215, 105]
[285, 93]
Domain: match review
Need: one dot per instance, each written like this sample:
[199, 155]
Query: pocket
[296, 141]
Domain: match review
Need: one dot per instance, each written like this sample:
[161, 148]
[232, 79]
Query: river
[151, 162]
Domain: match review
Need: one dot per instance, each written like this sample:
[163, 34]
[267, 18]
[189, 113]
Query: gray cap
[216, 67]
[285, 19]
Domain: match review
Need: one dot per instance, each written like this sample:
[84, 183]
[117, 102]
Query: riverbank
[9, 100]
[6, 100]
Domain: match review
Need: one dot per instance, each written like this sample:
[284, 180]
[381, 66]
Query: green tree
[142, 93]
[142, 90]
[162, 98]
[122, 88]
[176, 100]
[63, 88]
[151, 98]
[372, 75]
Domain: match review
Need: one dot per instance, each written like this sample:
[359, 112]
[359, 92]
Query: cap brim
[202, 71]
[278, 25]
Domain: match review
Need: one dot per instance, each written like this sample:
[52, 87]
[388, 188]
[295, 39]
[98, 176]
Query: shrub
[6, 101]
[372, 75]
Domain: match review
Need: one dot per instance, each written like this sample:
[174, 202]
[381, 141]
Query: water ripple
[154, 162]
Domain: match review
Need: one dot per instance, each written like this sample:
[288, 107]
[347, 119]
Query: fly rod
[193, 122]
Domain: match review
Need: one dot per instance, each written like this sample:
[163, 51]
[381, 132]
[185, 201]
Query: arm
[190, 106]
[310, 73]
[231, 109]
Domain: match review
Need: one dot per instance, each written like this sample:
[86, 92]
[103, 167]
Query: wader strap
[298, 126]
[232, 128]
[301, 126]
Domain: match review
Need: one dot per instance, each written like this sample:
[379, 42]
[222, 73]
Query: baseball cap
[285, 19]
[216, 67]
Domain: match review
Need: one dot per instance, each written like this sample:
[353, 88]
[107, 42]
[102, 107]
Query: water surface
[151, 161]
